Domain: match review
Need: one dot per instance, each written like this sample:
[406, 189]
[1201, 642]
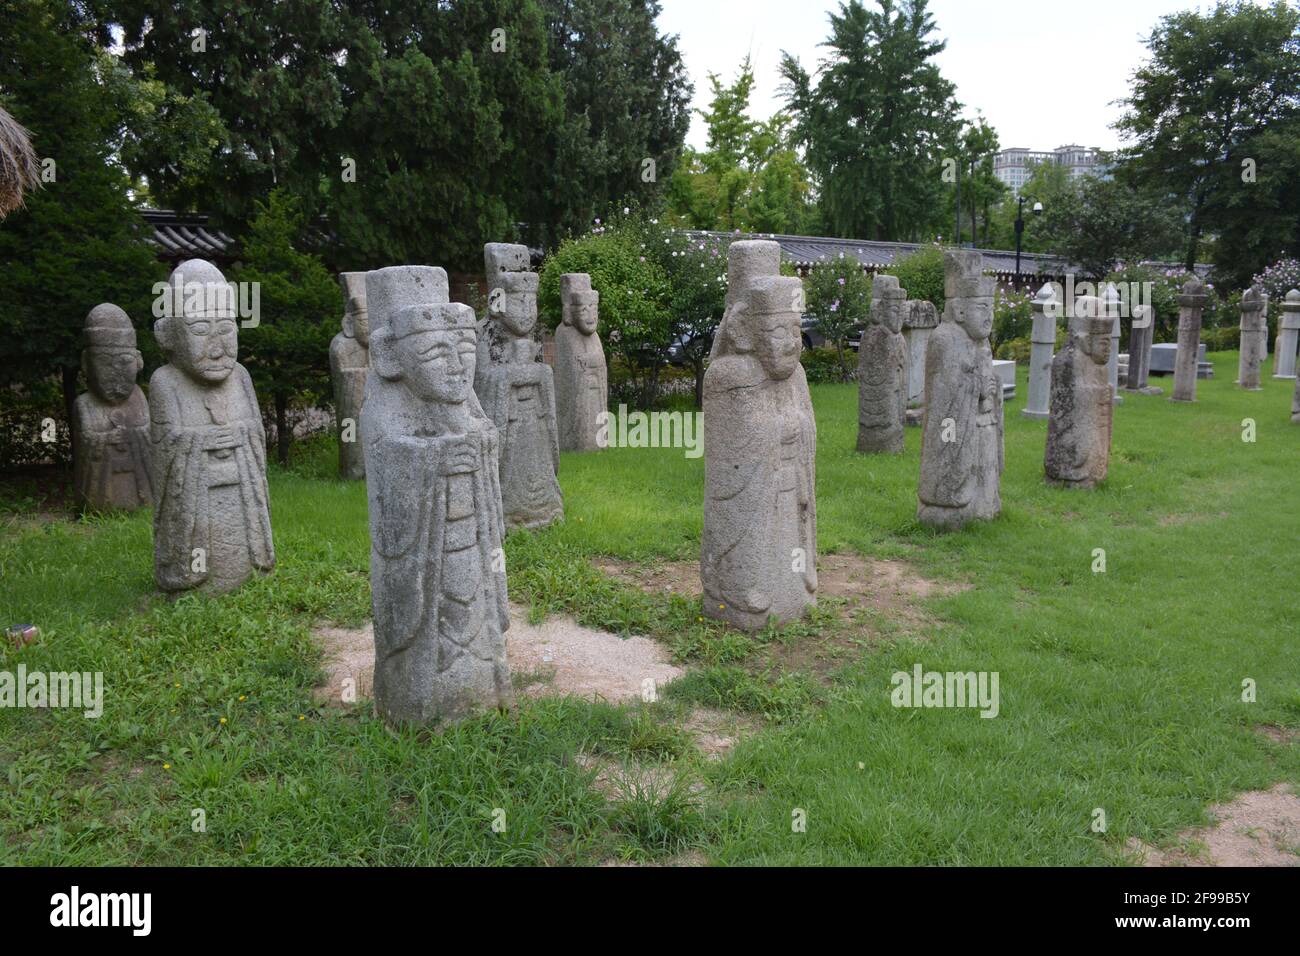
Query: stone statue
[1079, 429]
[517, 391]
[349, 361]
[437, 570]
[212, 518]
[961, 439]
[581, 379]
[1191, 303]
[883, 370]
[1042, 339]
[1254, 338]
[1111, 309]
[110, 424]
[1139, 352]
[921, 320]
[759, 551]
[1288, 332]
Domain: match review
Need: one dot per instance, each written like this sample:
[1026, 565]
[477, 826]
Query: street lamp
[1020, 229]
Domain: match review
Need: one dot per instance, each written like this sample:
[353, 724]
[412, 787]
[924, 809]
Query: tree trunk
[699, 382]
[282, 428]
[69, 376]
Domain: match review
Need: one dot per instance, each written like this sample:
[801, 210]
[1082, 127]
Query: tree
[877, 121]
[980, 187]
[1217, 87]
[839, 296]
[287, 352]
[79, 241]
[1098, 223]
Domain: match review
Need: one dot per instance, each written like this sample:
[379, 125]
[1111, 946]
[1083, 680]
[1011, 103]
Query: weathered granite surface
[759, 550]
[1288, 334]
[1254, 338]
[1042, 339]
[349, 363]
[1077, 453]
[517, 391]
[921, 320]
[437, 569]
[212, 517]
[1191, 303]
[110, 422]
[961, 442]
[882, 370]
[1111, 308]
[1139, 351]
[581, 377]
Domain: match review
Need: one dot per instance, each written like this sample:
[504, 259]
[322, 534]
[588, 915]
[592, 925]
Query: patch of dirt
[631, 781]
[557, 658]
[1257, 828]
[1281, 735]
[716, 732]
[662, 577]
[689, 858]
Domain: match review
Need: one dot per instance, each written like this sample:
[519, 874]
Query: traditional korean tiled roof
[181, 236]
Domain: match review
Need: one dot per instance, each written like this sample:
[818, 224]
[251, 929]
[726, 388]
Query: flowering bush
[839, 298]
[1013, 317]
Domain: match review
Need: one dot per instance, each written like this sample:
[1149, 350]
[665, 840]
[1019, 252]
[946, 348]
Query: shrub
[1018, 350]
[823, 365]
[839, 297]
[921, 274]
[1013, 318]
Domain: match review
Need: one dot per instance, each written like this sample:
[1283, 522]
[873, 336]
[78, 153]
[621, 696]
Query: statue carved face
[438, 366]
[204, 346]
[777, 342]
[975, 316]
[359, 320]
[111, 372]
[517, 311]
[1096, 345]
[585, 316]
[888, 311]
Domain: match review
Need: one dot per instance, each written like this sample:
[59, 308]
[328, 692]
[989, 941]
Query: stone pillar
[1043, 338]
[1191, 302]
[1288, 332]
[1110, 307]
[1140, 333]
[1254, 338]
[922, 318]
[349, 363]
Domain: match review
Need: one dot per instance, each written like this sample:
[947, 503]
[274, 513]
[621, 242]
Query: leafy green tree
[1218, 90]
[287, 352]
[79, 240]
[839, 298]
[921, 274]
[877, 121]
[981, 189]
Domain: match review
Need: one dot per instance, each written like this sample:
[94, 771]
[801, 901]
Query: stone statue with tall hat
[883, 367]
[110, 423]
[349, 363]
[212, 516]
[1077, 454]
[581, 378]
[437, 569]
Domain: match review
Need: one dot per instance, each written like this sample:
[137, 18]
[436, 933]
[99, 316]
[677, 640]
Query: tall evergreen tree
[877, 120]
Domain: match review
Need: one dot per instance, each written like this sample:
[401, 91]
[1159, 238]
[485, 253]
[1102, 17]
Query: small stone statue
[349, 362]
[961, 435]
[922, 318]
[883, 371]
[1079, 429]
[1043, 343]
[212, 518]
[110, 425]
[759, 550]
[1139, 351]
[437, 570]
[517, 391]
[1191, 303]
[581, 379]
[1254, 338]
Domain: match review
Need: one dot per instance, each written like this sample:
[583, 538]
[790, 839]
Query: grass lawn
[1120, 690]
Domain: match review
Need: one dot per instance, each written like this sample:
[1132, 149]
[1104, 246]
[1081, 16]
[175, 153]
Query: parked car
[813, 339]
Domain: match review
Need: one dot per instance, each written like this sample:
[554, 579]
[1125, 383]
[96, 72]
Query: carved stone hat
[107, 326]
[441, 317]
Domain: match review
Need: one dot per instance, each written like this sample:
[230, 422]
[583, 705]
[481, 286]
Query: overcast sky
[1043, 72]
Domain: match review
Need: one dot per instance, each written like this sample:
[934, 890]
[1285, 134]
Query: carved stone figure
[517, 391]
[1191, 303]
[1139, 352]
[1254, 338]
[437, 569]
[110, 425]
[1042, 338]
[961, 442]
[349, 362]
[882, 370]
[921, 320]
[581, 379]
[1079, 429]
[1111, 309]
[212, 517]
[759, 550]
